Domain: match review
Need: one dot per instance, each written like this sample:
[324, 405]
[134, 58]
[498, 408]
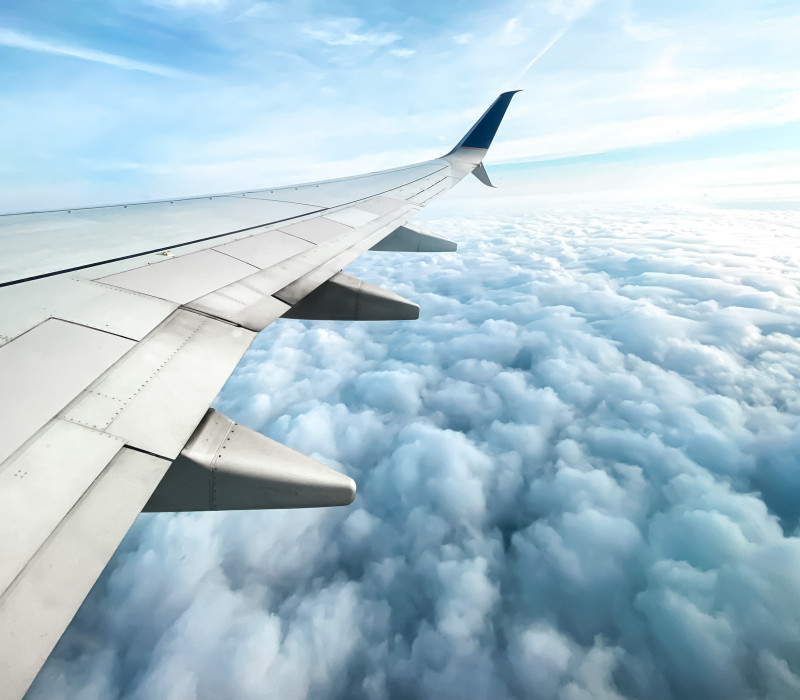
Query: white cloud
[549, 45]
[630, 133]
[402, 53]
[348, 31]
[571, 10]
[190, 4]
[577, 479]
[18, 40]
[514, 32]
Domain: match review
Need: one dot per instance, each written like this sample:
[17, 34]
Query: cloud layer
[578, 478]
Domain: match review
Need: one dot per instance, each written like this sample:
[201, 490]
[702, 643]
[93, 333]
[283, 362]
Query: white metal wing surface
[118, 327]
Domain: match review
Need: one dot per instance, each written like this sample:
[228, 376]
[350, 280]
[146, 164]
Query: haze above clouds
[578, 477]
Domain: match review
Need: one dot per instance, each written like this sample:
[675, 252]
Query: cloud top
[577, 478]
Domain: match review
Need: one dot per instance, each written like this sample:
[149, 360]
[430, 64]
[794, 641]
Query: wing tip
[483, 131]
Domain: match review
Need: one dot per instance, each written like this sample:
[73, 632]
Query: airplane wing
[118, 327]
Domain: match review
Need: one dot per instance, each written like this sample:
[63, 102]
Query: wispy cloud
[189, 4]
[549, 45]
[571, 10]
[402, 53]
[347, 31]
[514, 32]
[17, 40]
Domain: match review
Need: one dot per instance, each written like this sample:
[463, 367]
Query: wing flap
[249, 302]
[249, 309]
[157, 394]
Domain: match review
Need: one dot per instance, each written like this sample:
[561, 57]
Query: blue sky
[128, 100]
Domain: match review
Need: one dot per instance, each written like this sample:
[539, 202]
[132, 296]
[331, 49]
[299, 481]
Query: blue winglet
[482, 133]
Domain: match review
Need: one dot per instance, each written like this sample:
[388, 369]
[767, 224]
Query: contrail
[9, 37]
[541, 53]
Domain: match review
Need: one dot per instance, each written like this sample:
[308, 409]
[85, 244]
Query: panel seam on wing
[124, 402]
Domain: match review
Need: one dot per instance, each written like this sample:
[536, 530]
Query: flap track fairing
[405, 239]
[225, 466]
[347, 298]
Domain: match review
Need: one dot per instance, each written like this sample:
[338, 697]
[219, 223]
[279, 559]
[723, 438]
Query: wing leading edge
[119, 326]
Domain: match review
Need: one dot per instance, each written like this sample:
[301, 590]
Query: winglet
[482, 133]
[479, 171]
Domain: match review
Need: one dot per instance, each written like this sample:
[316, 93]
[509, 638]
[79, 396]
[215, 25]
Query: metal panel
[43, 242]
[81, 301]
[316, 230]
[118, 236]
[250, 309]
[36, 610]
[41, 484]
[248, 301]
[381, 205]
[360, 241]
[433, 190]
[44, 369]
[351, 216]
[261, 285]
[155, 397]
[410, 189]
[183, 278]
[265, 249]
[333, 193]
